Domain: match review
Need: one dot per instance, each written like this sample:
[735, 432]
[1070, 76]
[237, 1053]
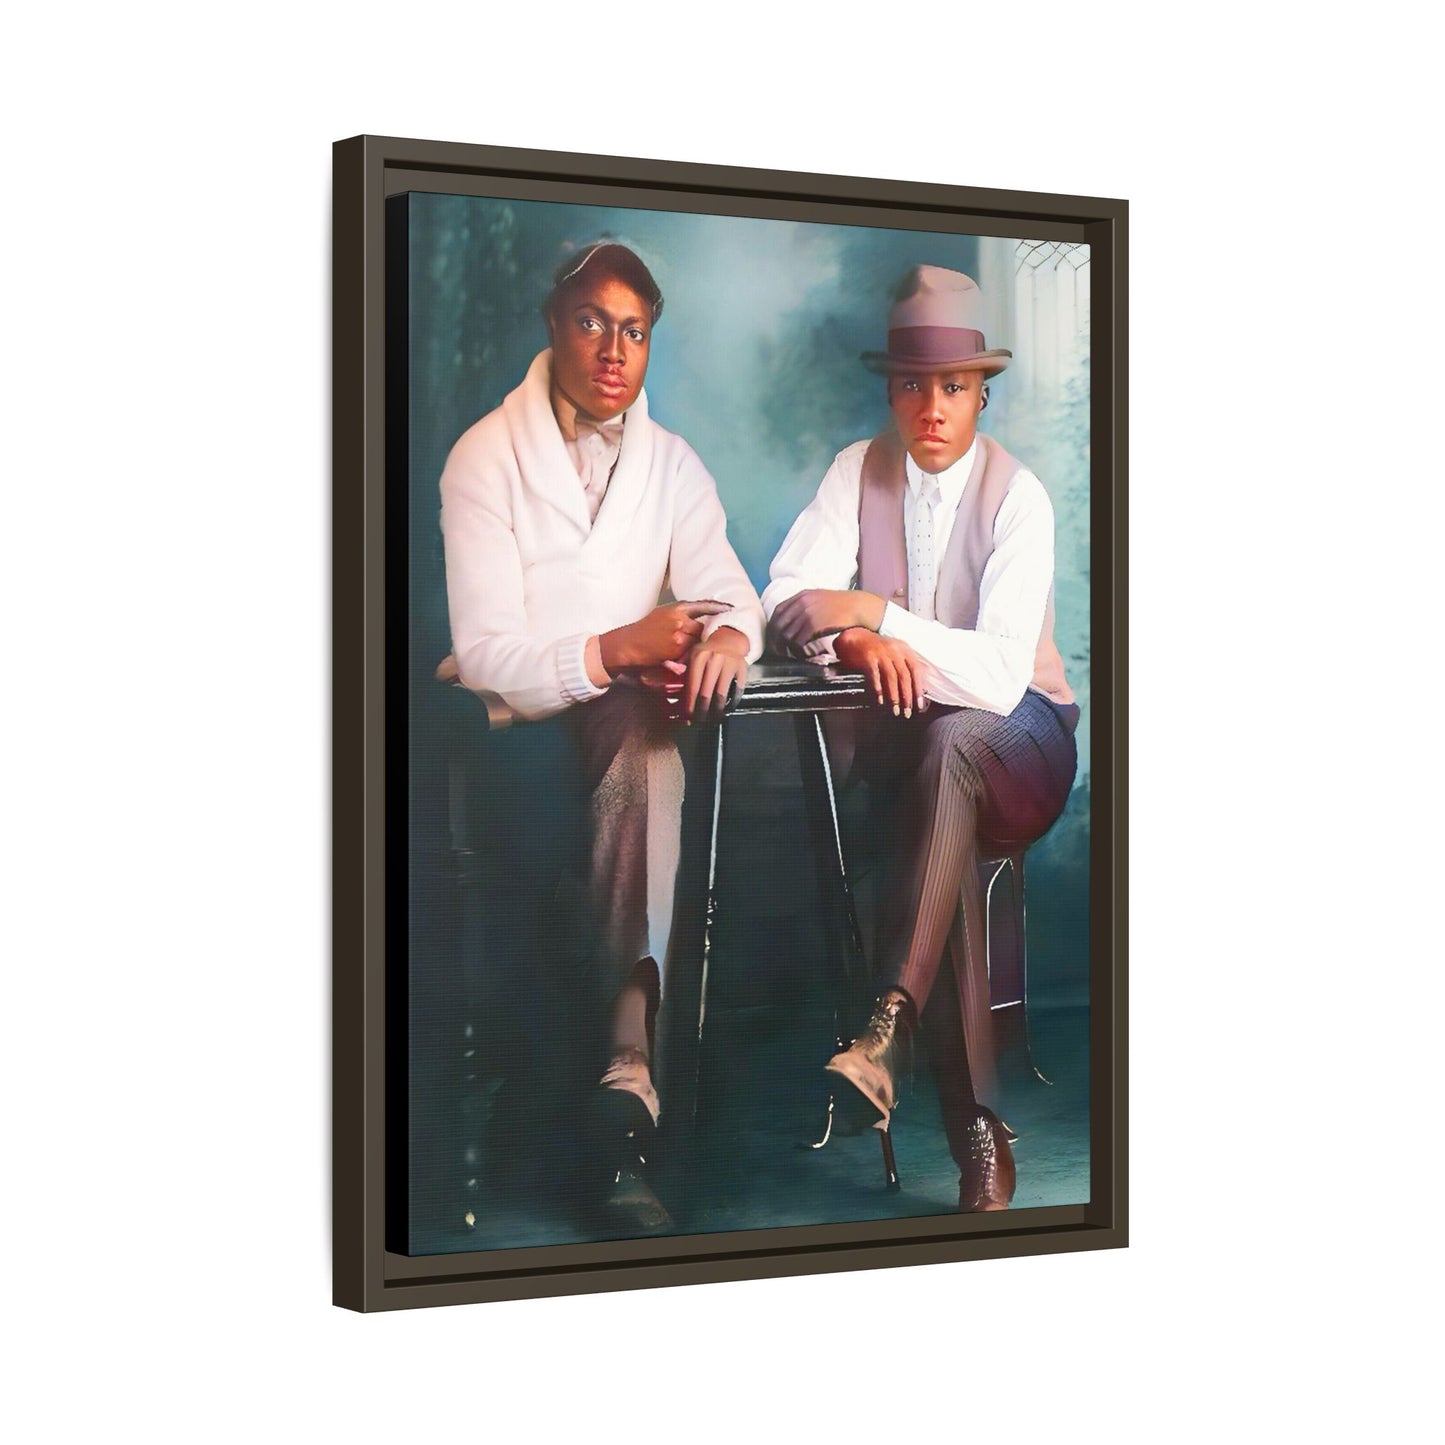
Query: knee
[646, 764]
[955, 750]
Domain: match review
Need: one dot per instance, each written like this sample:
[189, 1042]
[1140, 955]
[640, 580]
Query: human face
[600, 337]
[937, 415]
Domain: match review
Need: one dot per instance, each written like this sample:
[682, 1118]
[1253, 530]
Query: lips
[610, 381]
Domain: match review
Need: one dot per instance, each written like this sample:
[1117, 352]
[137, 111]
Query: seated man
[567, 512]
[926, 562]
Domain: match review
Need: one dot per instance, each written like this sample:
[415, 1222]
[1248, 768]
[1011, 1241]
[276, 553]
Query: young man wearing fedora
[925, 562]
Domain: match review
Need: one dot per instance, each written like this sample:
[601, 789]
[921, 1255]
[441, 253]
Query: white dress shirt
[594, 448]
[989, 666]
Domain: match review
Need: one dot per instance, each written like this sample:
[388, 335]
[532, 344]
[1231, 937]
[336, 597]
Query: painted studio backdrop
[755, 363]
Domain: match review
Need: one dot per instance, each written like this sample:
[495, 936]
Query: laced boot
[983, 1155]
[873, 1062]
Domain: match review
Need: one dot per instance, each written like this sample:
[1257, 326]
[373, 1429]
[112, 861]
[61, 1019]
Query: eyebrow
[603, 311]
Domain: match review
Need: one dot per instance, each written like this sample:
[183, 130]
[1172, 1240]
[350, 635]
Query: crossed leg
[952, 779]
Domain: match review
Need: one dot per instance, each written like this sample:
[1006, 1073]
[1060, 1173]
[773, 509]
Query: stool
[1008, 960]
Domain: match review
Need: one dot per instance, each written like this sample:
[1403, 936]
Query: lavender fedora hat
[934, 325]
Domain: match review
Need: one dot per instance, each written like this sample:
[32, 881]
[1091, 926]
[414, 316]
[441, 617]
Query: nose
[612, 348]
[930, 403]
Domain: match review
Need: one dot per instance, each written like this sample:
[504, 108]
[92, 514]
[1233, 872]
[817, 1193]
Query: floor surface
[749, 1165]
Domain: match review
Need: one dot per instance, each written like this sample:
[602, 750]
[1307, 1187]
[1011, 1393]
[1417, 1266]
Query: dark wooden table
[806, 691]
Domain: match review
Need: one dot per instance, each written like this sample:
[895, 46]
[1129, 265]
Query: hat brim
[988, 362]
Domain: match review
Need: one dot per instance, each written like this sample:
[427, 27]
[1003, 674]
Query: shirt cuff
[898, 622]
[777, 592]
[572, 677]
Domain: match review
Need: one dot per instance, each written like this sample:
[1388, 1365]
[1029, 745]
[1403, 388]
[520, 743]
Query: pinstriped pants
[955, 784]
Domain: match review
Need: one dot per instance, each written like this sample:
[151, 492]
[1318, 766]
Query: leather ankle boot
[988, 1178]
[624, 1127]
[873, 1062]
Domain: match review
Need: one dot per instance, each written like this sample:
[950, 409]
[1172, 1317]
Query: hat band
[930, 345]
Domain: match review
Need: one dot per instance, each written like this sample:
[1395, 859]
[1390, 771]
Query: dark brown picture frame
[367, 1275]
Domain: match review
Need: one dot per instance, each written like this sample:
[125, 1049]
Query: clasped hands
[666, 651]
[817, 619]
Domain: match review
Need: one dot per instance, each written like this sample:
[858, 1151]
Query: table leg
[826, 838]
[685, 1008]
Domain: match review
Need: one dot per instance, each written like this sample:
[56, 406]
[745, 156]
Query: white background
[165, 586]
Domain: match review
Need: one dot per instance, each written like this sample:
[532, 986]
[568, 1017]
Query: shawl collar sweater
[530, 576]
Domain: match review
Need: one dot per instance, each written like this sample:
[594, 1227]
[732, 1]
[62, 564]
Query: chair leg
[1008, 967]
[890, 1168]
[1020, 926]
[677, 1065]
[709, 911]
[1001, 989]
[825, 835]
[827, 1130]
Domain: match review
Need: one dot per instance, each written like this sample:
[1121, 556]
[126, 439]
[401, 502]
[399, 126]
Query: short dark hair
[603, 258]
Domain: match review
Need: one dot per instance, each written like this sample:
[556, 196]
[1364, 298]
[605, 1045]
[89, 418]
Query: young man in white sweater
[567, 514]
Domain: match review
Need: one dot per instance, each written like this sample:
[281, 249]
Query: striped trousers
[949, 786]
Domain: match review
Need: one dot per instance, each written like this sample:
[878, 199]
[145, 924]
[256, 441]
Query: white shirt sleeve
[493, 646]
[821, 548]
[702, 562]
[990, 666]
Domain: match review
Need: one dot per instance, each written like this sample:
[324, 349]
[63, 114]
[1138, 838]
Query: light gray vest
[883, 547]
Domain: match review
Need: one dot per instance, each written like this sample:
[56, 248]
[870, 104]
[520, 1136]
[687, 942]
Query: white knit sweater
[530, 578]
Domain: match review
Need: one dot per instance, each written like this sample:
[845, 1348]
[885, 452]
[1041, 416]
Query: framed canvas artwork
[729, 723]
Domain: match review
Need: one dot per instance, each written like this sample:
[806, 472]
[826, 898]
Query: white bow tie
[594, 452]
[608, 433]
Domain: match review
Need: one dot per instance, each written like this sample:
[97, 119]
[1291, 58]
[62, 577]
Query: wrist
[870, 610]
[612, 650]
[597, 672]
[727, 639]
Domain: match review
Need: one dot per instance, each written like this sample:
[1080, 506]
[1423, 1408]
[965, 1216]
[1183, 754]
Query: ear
[983, 397]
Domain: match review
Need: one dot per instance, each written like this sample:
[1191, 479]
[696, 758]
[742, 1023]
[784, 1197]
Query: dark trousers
[583, 813]
[951, 785]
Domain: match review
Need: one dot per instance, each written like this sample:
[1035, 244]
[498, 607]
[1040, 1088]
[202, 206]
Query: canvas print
[747, 680]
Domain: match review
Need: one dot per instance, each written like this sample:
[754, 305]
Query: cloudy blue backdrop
[755, 362]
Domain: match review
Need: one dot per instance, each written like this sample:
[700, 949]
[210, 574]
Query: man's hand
[818, 612]
[895, 670]
[666, 634]
[718, 665]
[667, 681]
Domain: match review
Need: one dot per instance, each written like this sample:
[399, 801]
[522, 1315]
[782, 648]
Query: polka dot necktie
[923, 571]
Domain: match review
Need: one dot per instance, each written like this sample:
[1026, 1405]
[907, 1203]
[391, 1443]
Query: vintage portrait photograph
[746, 720]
